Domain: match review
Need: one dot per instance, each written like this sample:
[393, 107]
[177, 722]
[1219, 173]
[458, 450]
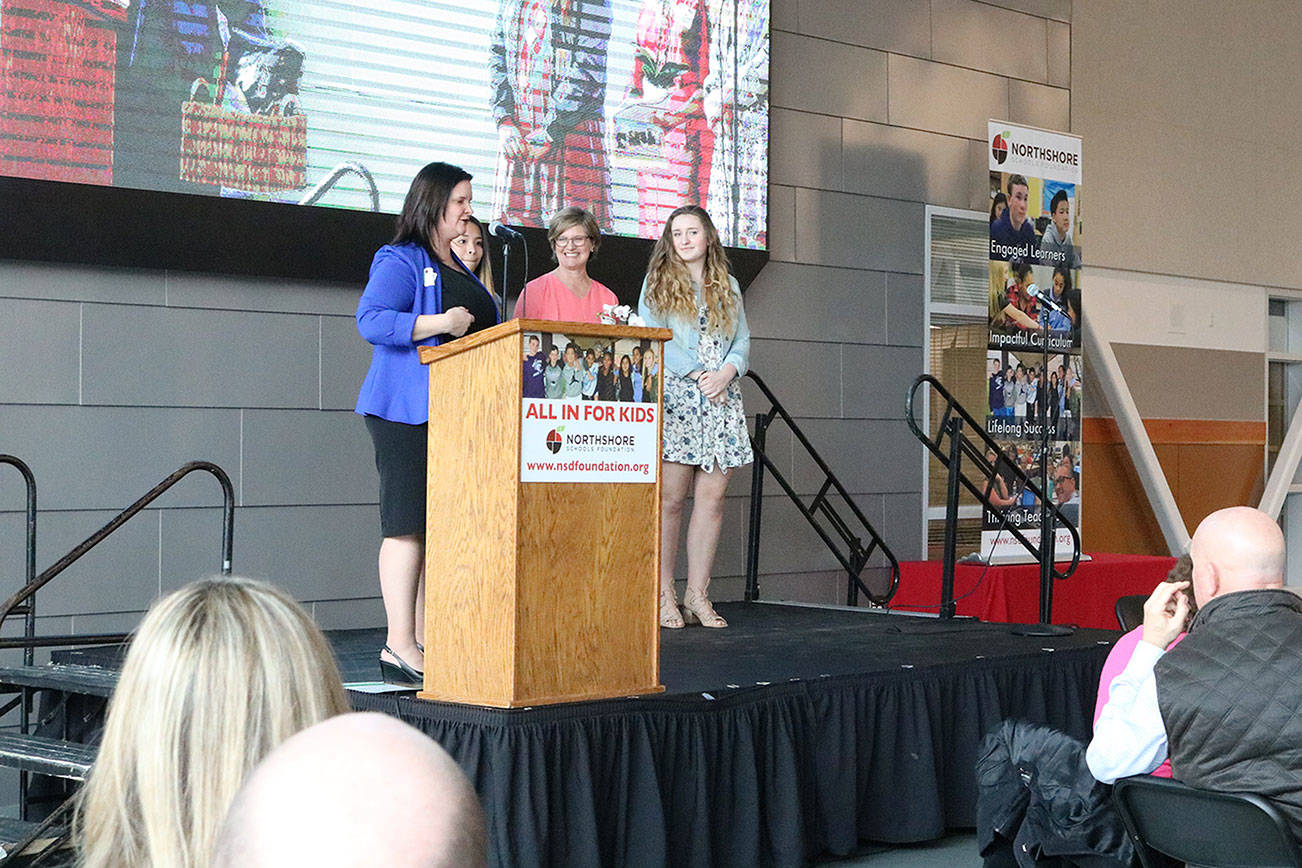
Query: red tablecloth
[1012, 593]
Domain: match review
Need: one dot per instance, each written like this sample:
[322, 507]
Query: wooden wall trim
[1104, 430]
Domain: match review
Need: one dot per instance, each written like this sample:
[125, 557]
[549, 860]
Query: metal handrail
[23, 701]
[63, 813]
[314, 195]
[29, 479]
[970, 452]
[857, 555]
[40, 581]
[960, 448]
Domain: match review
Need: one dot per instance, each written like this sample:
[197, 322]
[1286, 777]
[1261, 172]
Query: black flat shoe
[400, 673]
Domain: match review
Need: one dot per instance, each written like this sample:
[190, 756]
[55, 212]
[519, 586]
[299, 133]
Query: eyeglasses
[573, 241]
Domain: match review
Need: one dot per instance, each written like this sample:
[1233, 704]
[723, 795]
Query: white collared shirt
[1129, 736]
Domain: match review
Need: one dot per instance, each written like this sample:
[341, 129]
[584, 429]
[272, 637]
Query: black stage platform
[797, 731]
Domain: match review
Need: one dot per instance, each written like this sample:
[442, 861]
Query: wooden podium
[535, 592]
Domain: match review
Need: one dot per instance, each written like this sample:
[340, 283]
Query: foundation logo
[554, 440]
[999, 146]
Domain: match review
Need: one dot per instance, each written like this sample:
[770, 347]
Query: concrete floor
[956, 850]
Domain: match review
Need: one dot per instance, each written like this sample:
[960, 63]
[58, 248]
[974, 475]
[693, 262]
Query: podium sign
[589, 409]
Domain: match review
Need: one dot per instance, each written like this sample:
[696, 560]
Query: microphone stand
[508, 235]
[1048, 519]
[506, 275]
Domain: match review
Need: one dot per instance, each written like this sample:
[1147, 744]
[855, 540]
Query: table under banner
[1011, 593]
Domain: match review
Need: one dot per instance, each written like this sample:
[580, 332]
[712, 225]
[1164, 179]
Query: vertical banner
[1033, 358]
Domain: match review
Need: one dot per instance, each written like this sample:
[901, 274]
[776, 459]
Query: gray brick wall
[878, 109]
[110, 378]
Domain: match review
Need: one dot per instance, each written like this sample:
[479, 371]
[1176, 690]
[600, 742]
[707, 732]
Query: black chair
[1201, 827]
[1130, 611]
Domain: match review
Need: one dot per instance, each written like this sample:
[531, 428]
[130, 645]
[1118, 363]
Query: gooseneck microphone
[496, 228]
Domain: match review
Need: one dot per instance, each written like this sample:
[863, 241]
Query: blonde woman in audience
[219, 673]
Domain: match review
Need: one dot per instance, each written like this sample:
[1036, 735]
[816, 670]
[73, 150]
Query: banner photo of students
[589, 410]
[628, 108]
[1034, 350]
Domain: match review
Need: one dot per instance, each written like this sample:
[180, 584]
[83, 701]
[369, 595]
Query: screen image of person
[419, 294]
[175, 46]
[736, 106]
[670, 63]
[548, 84]
[567, 293]
[688, 289]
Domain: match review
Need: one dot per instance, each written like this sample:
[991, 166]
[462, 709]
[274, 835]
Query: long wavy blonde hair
[669, 283]
[219, 673]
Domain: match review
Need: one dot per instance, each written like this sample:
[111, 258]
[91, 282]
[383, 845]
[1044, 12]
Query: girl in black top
[624, 383]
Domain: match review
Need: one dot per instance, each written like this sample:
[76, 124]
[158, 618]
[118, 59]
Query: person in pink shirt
[1119, 656]
[567, 293]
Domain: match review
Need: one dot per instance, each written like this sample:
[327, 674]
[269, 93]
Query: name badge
[429, 275]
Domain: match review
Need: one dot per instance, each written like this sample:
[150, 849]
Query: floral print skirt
[697, 431]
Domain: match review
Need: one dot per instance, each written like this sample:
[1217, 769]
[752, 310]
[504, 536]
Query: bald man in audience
[1225, 703]
[355, 790]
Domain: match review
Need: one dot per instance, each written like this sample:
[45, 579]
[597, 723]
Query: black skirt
[400, 459]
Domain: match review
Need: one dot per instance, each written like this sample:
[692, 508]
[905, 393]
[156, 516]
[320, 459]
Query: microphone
[496, 228]
[1045, 298]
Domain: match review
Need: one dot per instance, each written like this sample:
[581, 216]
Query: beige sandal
[669, 615]
[697, 610]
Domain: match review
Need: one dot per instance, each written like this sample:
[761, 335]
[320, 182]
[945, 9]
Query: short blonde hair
[219, 673]
[568, 218]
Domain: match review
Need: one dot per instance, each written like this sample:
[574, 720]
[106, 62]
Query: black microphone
[496, 228]
[1045, 298]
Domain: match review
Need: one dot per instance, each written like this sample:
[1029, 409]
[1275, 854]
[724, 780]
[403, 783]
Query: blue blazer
[405, 283]
[680, 353]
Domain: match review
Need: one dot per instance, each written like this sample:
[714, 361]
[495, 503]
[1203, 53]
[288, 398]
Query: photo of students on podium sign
[589, 408]
[1033, 358]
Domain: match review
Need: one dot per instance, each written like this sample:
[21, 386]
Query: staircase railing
[28, 608]
[953, 446]
[844, 535]
[22, 600]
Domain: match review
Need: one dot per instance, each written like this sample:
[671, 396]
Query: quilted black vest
[1231, 699]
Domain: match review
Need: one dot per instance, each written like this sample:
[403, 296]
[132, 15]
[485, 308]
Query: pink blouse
[547, 298]
[1118, 657]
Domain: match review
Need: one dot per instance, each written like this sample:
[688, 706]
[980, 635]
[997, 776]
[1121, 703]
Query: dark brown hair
[426, 202]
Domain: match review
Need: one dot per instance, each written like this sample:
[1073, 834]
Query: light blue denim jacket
[680, 353]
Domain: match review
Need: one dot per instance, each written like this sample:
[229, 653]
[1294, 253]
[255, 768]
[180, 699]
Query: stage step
[84, 680]
[12, 831]
[46, 756]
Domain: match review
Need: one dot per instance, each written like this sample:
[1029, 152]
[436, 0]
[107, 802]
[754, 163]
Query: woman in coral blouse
[567, 293]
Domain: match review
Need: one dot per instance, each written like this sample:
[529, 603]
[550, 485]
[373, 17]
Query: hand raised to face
[1165, 613]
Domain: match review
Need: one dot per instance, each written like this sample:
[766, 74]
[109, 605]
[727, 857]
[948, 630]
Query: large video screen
[626, 107]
